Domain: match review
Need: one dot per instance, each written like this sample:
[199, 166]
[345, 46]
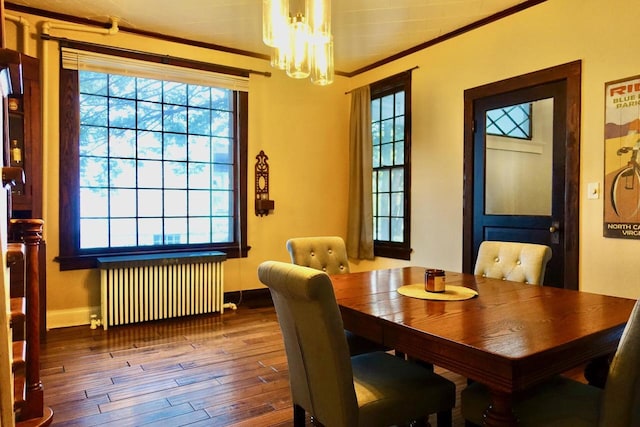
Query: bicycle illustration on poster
[622, 162]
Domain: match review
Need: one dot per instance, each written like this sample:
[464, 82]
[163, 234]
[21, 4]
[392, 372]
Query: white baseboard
[74, 317]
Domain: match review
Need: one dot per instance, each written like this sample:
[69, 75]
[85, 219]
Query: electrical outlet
[593, 190]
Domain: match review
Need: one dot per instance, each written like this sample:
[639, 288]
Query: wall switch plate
[593, 190]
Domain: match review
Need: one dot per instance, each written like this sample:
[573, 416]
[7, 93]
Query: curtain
[360, 222]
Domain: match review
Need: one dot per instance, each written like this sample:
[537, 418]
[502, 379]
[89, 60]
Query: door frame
[571, 73]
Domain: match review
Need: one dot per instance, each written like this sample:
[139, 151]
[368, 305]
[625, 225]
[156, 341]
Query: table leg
[500, 412]
[597, 370]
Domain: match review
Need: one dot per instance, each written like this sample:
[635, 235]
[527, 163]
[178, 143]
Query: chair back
[320, 372]
[326, 253]
[621, 396]
[519, 262]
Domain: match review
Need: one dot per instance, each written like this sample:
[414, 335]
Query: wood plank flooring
[211, 370]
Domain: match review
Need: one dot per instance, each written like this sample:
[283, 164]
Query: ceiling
[365, 31]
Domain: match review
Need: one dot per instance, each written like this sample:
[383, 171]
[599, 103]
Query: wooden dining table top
[509, 337]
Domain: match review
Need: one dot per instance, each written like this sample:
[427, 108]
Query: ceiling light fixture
[301, 40]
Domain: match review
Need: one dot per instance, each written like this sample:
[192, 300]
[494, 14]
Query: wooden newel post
[29, 231]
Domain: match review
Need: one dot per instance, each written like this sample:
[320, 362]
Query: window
[391, 180]
[513, 121]
[151, 164]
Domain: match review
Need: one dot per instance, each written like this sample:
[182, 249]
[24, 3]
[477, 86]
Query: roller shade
[74, 59]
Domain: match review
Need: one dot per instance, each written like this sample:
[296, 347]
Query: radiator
[140, 288]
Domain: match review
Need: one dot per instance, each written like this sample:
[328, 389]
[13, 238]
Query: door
[519, 138]
[523, 170]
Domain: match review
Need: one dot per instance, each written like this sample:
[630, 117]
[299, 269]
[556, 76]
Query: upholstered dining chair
[372, 389]
[329, 254]
[326, 253]
[518, 262]
[565, 402]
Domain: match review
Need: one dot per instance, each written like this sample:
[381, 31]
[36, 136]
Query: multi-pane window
[153, 164]
[513, 121]
[156, 162]
[390, 121]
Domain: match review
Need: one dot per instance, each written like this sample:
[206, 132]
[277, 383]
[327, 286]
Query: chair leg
[444, 419]
[298, 416]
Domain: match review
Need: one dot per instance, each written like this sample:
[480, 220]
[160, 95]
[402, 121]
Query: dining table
[509, 337]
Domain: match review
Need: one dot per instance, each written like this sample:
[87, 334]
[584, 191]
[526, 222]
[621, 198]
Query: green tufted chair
[326, 253]
[329, 254]
[518, 262]
[568, 403]
[372, 389]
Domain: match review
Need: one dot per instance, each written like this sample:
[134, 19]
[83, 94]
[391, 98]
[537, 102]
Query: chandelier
[301, 40]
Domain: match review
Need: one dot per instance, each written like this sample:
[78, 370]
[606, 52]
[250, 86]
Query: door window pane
[518, 174]
[513, 121]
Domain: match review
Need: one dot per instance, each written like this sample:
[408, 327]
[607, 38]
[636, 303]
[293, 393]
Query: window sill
[392, 252]
[89, 261]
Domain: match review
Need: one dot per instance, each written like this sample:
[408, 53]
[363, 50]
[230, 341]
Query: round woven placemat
[451, 292]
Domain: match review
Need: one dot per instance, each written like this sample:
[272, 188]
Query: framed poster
[621, 192]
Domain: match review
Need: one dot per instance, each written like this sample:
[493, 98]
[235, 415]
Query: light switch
[593, 190]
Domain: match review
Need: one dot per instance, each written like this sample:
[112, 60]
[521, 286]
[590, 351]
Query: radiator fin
[153, 292]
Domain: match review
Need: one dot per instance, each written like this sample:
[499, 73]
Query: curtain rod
[410, 69]
[154, 57]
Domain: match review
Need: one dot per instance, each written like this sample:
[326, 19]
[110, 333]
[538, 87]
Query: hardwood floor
[213, 370]
[209, 370]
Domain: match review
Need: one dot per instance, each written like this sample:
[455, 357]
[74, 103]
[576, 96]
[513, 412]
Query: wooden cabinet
[25, 138]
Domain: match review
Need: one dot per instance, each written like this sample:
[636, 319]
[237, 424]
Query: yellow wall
[603, 36]
[304, 131]
[300, 126]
